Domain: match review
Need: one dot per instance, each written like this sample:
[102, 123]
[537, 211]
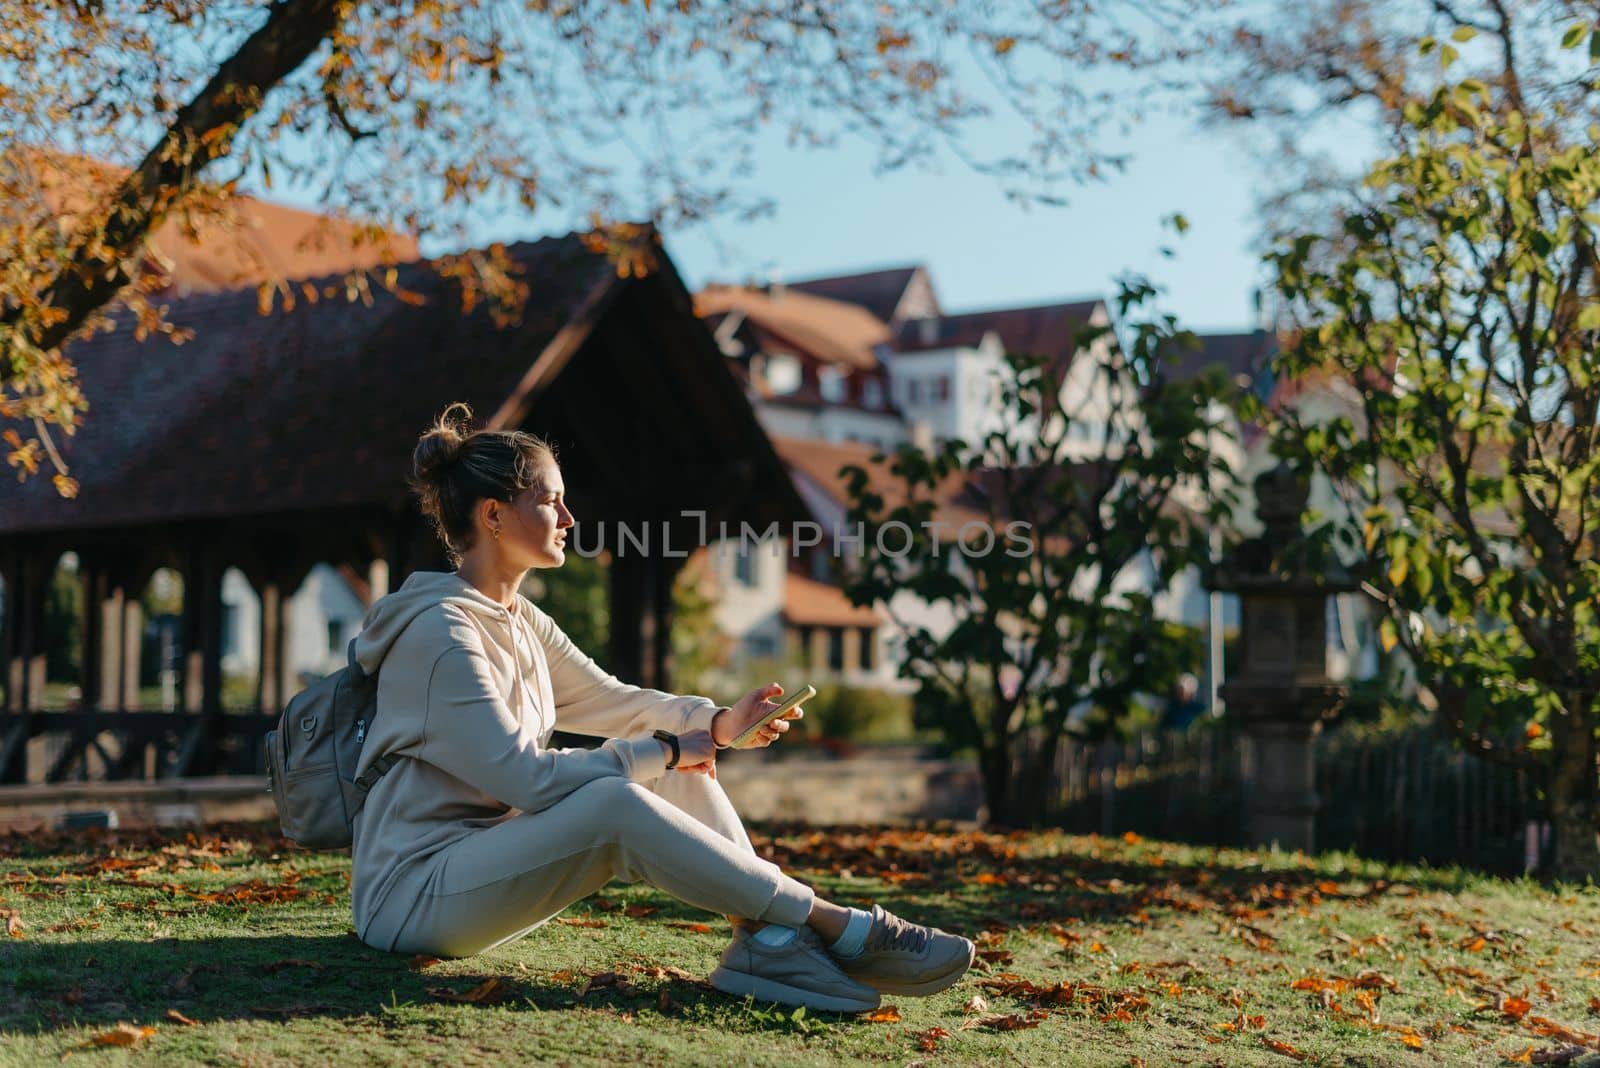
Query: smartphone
[805, 693]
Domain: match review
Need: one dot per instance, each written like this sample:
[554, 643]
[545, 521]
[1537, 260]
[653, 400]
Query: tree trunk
[994, 761]
[1574, 812]
[104, 247]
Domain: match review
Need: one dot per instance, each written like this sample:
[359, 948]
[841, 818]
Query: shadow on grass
[96, 984]
[988, 883]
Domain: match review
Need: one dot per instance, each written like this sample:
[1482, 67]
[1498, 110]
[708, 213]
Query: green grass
[1109, 951]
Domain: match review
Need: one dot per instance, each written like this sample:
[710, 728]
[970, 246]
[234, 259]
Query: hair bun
[440, 445]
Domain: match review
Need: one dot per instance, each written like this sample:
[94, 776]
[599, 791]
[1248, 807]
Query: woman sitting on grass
[484, 833]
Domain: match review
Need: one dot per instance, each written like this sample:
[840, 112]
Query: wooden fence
[1401, 796]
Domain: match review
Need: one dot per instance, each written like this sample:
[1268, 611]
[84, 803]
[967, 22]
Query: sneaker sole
[921, 987]
[742, 983]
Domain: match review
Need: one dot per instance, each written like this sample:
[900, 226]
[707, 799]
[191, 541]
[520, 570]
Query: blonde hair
[454, 467]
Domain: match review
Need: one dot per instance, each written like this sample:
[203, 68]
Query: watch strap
[672, 742]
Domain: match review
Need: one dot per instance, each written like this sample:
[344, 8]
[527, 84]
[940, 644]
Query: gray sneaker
[907, 958]
[798, 973]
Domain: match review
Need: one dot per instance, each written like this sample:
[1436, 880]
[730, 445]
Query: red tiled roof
[263, 242]
[827, 330]
[879, 292]
[819, 461]
[807, 602]
[318, 407]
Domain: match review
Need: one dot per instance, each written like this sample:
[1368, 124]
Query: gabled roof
[879, 292]
[264, 242]
[1051, 331]
[827, 330]
[319, 408]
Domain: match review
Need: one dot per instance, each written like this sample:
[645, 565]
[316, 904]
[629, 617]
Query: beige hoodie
[471, 692]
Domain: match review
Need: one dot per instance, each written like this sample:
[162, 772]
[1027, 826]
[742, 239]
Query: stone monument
[1281, 694]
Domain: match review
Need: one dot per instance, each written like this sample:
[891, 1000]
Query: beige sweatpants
[678, 832]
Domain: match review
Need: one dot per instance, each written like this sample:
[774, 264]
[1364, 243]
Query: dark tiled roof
[879, 292]
[317, 407]
[1243, 358]
[1051, 331]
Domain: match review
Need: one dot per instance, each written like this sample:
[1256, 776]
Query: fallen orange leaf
[121, 1035]
[421, 961]
[697, 928]
[928, 1040]
[1283, 1047]
[487, 992]
[886, 1014]
[177, 1017]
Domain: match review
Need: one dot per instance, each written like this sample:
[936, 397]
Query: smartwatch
[672, 741]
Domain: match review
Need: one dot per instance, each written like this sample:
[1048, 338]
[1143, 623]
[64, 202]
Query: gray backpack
[312, 757]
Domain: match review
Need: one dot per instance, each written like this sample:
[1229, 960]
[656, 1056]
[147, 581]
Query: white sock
[854, 940]
[775, 935]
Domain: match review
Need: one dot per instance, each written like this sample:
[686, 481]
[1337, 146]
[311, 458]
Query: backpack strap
[357, 674]
[379, 769]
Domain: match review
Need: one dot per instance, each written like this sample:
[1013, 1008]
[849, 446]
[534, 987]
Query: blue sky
[834, 216]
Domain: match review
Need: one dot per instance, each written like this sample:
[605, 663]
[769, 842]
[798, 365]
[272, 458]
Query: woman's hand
[697, 753]
[754, 707]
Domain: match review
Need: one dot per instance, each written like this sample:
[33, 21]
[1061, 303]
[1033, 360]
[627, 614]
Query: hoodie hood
[422, 590]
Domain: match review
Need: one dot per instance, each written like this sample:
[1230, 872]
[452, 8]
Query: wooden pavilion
[272, 443]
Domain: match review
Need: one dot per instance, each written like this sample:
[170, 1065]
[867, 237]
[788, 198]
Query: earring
[496, 533]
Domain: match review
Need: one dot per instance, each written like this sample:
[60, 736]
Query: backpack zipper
[361, 731]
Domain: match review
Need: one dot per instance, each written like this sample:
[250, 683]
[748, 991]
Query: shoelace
[897, 934]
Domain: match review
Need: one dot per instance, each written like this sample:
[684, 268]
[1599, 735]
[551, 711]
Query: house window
[335, 636]
[831, 382]
[744, 569]
[836, 648]
[866, 649]
[783, 373]
[872, 394]
[230, 629]
[914, 391]
[802, 636]
[941, 388]
[819, 566]
[760, 647]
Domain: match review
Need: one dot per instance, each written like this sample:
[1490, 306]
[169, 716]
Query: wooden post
[132, 646]
[269, 679]
[10, 632]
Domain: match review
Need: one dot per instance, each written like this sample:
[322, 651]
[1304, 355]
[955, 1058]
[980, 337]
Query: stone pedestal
[1281, 694]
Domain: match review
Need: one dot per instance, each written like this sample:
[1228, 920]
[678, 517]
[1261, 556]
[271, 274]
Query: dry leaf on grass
[1283, 1047]
[121, 1035]
[928, 1041]
[579, 922]
[886, 1014]
[421, 961]
[177, 1017]
[639, 912]
[1018, 1022]
[488, 992]
[697, 928]
[977, 1003]
[608, 981]
[13, 923]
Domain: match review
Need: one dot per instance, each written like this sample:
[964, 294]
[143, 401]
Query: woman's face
[534, 525]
